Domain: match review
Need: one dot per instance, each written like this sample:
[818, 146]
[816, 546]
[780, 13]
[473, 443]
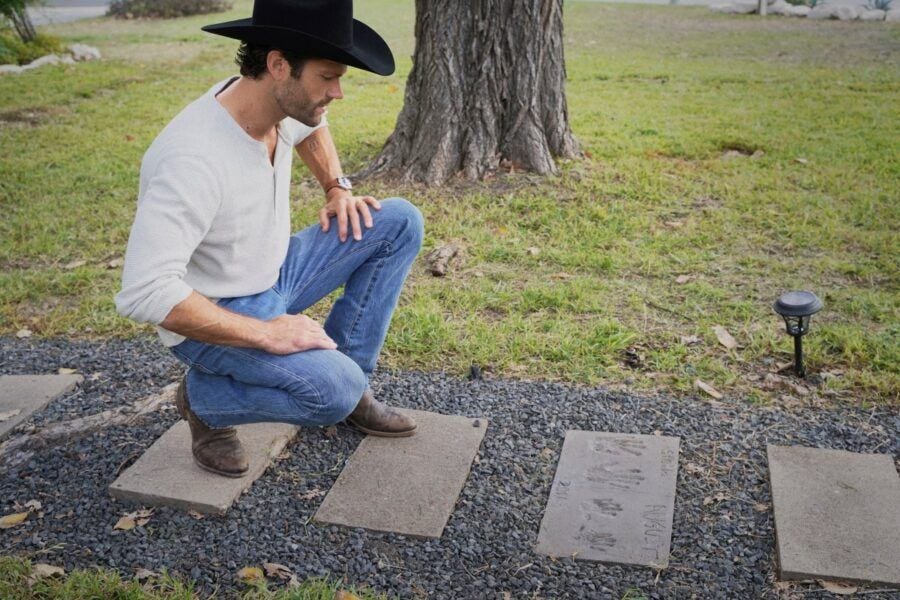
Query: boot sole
[388, 434]
[218, 472]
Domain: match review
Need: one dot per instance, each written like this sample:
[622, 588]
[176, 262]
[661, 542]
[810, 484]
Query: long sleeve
[174, 213]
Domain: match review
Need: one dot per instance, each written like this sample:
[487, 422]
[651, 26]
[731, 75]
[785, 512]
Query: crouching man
[211, 259]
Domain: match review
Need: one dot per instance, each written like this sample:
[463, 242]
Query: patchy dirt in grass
[30, 116]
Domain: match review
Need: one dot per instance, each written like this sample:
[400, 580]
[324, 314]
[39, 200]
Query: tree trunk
[21, 21]
[486, 90]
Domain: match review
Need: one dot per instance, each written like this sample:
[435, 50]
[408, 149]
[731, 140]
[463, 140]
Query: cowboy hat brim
[368, 52]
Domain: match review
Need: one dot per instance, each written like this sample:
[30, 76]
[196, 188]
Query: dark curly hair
[251, 58]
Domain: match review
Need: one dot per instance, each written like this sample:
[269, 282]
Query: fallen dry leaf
[724, 337]
[760, 507]
[23, 333]
[534, 250]
[691, 467]
[195, 515]
[45, 570]
[6, 416]
[142, 574]
[690, 340]
[802, 161]
[546, 454]
[278, 571]
[719, 497]
[837, 588]
[66, 371]
[674, 224]
[115, 263]
[345, 595]
[250, 575]
[13, 519]
[34, 505]
[137, 518]
[708, 389]
[683, 278]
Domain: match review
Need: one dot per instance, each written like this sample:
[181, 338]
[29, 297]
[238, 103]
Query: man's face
[305, 97]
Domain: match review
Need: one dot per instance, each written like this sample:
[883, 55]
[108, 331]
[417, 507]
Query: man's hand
[295, 333]
[347, 208]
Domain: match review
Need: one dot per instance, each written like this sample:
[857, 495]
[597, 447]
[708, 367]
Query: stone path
[406, 485]
[167, 475]
[837, 514]
[612, 499]
[22, 395]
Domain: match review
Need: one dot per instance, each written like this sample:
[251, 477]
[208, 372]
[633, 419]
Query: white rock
[796, 11]
[820, 12]
[892, 15]
[860, 4]
[4, 69]
[737, 7]
[67, 59]
[872, 15]
[778, 7]
[84, 52]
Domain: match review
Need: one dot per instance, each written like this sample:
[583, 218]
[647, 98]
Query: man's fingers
[354, 222]
[324, 221]
[342, 222]
[364, 211]
[372, 202]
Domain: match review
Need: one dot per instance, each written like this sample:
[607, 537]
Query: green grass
[657, 96]
[18, 582]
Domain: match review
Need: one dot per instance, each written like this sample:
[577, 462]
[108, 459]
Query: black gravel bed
[723, 543]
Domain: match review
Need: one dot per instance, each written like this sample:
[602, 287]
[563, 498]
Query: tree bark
[487, 89]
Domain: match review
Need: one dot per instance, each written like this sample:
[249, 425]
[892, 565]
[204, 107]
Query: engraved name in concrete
[612, 499]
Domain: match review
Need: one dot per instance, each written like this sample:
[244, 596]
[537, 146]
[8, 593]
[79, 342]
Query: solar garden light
[796, 308]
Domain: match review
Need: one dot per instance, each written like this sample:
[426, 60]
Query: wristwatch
[340, 181]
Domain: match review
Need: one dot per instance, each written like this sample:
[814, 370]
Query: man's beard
[299, 107]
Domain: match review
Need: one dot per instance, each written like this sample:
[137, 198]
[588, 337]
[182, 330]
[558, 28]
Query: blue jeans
[230, 386]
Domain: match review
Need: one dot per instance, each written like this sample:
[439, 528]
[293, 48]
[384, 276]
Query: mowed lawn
[727, 159]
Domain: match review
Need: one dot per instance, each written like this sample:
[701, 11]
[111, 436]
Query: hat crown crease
[324, 19]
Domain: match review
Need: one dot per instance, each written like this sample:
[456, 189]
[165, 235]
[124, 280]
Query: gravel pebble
[721, 548]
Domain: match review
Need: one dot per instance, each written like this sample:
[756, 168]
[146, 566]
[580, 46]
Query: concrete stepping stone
[22, 395]
[406, 485]
[166, 475]
[837, 514]
[612, 499]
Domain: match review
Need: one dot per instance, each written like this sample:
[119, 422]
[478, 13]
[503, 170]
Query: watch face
[344, 182]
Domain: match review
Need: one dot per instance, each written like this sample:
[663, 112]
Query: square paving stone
[406, 485]
[22, 395]
[612, 499]
[166, 475]
[837, 514]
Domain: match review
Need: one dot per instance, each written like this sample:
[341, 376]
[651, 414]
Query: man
[211, 260]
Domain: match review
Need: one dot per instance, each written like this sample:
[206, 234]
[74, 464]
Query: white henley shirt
[213, 214]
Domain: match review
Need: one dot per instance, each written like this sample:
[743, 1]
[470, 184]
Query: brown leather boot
[376, 418]
[215, 450]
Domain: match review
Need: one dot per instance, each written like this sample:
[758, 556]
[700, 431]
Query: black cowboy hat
[314, 28]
